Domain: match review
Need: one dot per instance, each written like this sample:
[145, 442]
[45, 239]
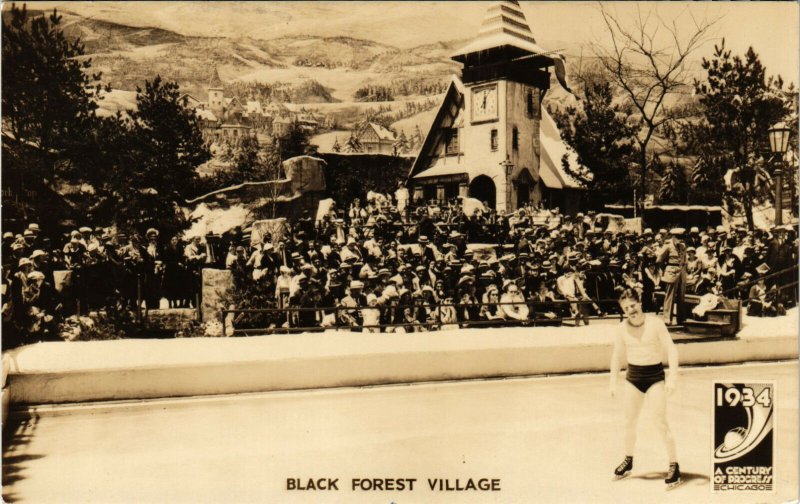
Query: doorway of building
[482, 188]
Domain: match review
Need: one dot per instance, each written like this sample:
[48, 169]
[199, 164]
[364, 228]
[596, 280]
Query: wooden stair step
[706, 323]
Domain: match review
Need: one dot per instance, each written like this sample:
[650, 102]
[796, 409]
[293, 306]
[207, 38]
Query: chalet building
[375, 139]
[491, 139]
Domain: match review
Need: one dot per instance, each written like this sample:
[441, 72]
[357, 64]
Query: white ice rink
[553, 439]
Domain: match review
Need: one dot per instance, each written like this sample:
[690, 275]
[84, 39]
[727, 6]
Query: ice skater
[644, 339]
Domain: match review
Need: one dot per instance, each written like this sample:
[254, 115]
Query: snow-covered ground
[546, 439]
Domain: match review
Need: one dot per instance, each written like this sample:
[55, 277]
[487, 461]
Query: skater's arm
[615, 365]
[672, 356]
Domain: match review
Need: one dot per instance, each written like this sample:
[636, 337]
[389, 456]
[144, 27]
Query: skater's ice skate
[673, 476]
[624, 468]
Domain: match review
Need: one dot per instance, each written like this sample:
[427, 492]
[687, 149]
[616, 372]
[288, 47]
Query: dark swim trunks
[642, 377]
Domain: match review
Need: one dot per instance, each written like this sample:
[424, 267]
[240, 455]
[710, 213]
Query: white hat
[36, 275]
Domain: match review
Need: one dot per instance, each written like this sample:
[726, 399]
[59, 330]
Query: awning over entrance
[553, 150]
[443, 168]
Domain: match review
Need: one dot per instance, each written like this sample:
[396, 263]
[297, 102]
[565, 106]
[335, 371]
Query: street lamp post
[508, 168]
[778, 144]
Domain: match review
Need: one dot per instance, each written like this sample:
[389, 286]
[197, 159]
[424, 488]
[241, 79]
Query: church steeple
[215, 82]
[216, 96]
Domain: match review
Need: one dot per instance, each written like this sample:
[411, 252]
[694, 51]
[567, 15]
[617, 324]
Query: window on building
[514, 138]
[494, 140]
[452, 141]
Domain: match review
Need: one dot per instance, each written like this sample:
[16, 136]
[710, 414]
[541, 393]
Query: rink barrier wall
[61, 372]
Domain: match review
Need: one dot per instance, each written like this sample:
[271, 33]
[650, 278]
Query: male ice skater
[644, 339]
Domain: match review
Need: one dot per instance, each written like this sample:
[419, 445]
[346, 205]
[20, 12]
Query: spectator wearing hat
[74, 251]
[694, 267]
[543, 302]
[469, 308]
[41, 262]
[693, 238]
[152, 269]
[195, 256]
[37, 311]
[673, 257]
[490, 307]
[760, 302]
[570, 287]
[513, 303]
[371, 314]
[352, 302]
[175, 274]
[727, 269]
[30, 240]
[237, 260]
[309, 317]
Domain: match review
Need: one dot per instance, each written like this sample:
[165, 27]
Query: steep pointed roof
[453, 95]
[503, 25]
[215, 82]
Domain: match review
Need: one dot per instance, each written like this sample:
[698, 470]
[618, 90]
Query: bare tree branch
[647, 60]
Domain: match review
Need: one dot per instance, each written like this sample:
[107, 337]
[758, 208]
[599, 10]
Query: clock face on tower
[484, 103]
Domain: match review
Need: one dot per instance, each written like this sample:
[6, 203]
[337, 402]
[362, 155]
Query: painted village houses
[491, 139]
[375, 139]
[227, 119]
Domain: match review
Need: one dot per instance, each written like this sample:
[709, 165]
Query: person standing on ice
[644, 339]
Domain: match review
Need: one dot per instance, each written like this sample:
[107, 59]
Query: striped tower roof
[503, 25]
[215, 82]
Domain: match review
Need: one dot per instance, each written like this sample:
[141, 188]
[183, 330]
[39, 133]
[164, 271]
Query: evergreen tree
[705, 188]
[604, 142]
[49, 102]
[739, 104]
[247, 160]
[353, 144]
[673, 185]
[400, 145]
[145, 166]
[336, 147]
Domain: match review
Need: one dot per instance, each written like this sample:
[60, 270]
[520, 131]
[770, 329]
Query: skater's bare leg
[657, 396]
[633, 406]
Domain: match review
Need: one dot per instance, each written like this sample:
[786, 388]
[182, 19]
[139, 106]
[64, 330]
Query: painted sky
[770, 27]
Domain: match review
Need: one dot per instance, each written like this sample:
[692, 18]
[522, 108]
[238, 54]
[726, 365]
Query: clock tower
[485, 140]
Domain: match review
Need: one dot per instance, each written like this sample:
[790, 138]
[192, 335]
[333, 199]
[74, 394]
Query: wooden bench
[723, 322]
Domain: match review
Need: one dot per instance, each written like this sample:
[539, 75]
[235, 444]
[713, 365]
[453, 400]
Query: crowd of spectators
[440, 266]
[383, 269]
[92, 269]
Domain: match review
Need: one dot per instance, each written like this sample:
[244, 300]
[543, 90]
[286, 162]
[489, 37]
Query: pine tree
[604, 142]
[739, 104]
[49, 103]
[673, 185]
[336, 147]
[147, 164]
[353, 144]
[401, 144]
